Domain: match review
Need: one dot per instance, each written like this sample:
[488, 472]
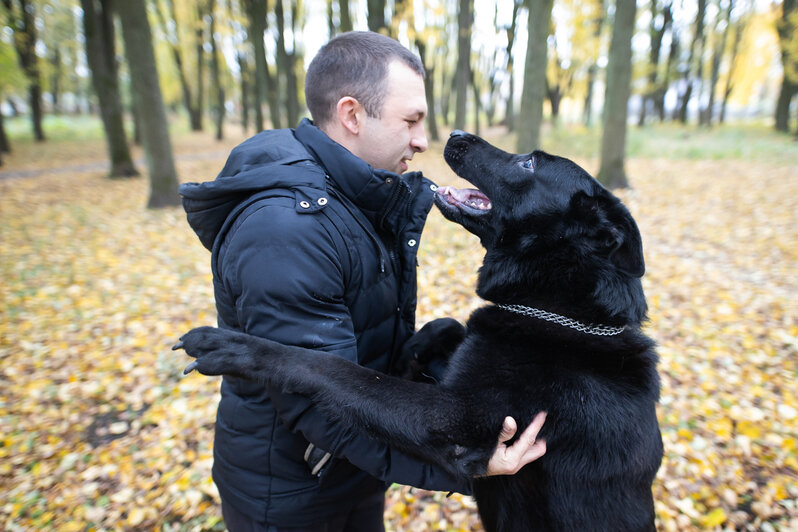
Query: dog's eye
[527, 164]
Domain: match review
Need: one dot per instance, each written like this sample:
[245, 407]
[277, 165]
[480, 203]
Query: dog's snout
[457, 133]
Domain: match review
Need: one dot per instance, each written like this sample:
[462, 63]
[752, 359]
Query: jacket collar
[369, 189]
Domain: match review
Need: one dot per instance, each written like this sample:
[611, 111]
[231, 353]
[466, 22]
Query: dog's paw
[216, 351]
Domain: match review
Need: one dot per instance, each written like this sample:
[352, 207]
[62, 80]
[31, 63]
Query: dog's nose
[457, 133]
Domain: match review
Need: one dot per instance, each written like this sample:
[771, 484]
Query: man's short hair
[353, 64]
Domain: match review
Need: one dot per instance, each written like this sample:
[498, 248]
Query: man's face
[389, 142]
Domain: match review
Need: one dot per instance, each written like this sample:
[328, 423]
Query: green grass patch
[746, 142]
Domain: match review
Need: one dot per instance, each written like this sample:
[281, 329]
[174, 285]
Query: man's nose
[419, 142]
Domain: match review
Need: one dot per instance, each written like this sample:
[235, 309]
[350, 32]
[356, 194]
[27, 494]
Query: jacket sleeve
[286, 275]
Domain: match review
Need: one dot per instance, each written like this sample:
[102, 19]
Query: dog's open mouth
[468, 199]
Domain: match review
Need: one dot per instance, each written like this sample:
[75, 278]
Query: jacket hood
[269, 160]
[302, 161]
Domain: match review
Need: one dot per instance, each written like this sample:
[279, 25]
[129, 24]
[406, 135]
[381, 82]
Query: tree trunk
[256, 12]
[673, 54]
[477, 103]
[510, 105]
[22, 21]
[656, 33]
[717, 55]
[174, 45]
[735, 49]
[216, 78]
[5, 145]
[56, 65]
[270, 83]
[534, 75]
[448, 83]
[245, 90]
[98, 30]
[786, 92]
[465, 21]
[292, 80]
[376, 16]
[429, 90]
[695, 57]
[345, 16]
[788, 87]
[147, 94]
[199, 46]
[285, 77]
[619, 78]
[592, 70]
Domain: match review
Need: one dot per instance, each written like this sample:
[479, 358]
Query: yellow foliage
[99, 430]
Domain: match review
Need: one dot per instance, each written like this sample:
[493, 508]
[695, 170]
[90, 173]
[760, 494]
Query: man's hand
[509, 459]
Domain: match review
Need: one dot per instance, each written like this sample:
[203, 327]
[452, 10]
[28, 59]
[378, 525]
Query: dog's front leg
[431, 422]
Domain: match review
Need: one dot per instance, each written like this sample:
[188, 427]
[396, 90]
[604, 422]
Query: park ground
[99, 430]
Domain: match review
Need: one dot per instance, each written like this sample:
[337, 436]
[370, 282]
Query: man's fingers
[527, 449]
[509, 429]
[534, 452]
[530, 434]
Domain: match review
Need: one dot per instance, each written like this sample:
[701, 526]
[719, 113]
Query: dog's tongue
[468, 196]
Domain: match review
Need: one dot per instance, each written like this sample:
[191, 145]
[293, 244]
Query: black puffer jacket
[310, 247]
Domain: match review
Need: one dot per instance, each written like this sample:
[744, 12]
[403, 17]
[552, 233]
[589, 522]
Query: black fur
[555, 240]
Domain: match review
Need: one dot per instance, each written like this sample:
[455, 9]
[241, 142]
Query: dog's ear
[626, 246]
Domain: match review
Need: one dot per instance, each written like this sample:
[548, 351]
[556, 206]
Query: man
[313, 234]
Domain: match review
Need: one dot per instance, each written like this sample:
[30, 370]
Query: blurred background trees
[518, 64]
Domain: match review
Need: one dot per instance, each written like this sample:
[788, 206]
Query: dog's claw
[178, 345]
[191, 367]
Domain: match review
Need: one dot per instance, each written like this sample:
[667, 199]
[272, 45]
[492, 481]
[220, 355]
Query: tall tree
[694, 62]
[429, 37]
[789, 86]
[658, 26]
[534, 91]
[216, 76]
[737, 37]
[98, 31]
[619, 79]
[592, 69]
[256, 13]
[266, 86]
[21, 19]
[5, 146]
[199, 47]
[668, 73]
[465, 21]
[429, 89]
[345, 16]
[376, 16]
[511, 31]
[286, 62]
[558, 81]
[147, 94]
[239, 39]
[718, 51]
[172, 33]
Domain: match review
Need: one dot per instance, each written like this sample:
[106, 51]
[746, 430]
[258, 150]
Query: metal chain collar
[599, 330]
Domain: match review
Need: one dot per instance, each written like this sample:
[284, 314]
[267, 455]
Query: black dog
[563, 266]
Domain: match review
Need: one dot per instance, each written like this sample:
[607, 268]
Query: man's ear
[349, 114]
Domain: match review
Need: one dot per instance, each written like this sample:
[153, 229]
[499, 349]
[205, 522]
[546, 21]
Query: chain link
[599, 330]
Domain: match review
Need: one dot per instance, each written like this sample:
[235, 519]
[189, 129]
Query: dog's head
[554, 235]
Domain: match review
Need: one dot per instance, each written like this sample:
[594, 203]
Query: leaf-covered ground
[99, 430]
